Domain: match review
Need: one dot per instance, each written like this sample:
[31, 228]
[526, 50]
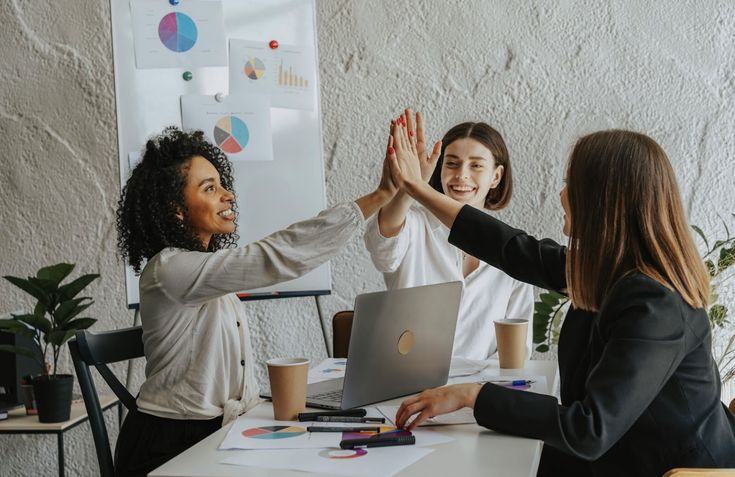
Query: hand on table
[434, 402]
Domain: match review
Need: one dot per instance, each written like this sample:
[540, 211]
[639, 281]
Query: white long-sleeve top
[420, 254]
[200, 361]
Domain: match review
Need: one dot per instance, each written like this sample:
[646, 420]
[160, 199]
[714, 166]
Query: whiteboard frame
[288, 189]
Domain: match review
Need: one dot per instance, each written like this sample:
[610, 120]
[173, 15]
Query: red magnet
[273, 44]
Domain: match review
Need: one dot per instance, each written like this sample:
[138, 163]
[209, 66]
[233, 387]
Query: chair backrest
[341, 330]
[732, 406]
[98, 350]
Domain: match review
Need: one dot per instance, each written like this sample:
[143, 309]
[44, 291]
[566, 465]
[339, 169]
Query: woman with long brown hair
[640, 391]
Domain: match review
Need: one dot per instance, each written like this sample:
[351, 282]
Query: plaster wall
[543, 72]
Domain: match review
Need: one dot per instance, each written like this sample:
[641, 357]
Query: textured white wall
[542, 72]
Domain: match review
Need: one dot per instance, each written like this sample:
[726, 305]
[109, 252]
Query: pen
[516, 382]
[379, 420]
[310, 416]
[378, 440]
[341, 429]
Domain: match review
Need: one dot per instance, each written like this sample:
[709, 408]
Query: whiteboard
[270, 194]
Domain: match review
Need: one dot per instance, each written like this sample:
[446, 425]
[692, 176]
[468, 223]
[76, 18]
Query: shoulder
[639, 301]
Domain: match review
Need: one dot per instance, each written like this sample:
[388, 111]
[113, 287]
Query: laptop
[400, 344]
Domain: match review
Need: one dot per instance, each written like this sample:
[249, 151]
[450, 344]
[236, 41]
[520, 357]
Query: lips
[227, 214]
[461, 189]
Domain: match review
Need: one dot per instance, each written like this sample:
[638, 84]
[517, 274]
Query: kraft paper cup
[288, 386]
[511, 337]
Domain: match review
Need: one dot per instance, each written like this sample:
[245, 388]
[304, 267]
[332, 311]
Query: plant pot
[53, 397]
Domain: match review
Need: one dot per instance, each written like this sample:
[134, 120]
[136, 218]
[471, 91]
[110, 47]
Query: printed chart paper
[254, 433]
[373, 462]
[190, 34]
[239, 124]
[330, 368]
[285, 74]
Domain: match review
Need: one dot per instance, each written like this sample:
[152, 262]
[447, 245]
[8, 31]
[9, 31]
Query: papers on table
[461, 416]
[534, 384]
[373, 462]
[466, 367]
[257, 433]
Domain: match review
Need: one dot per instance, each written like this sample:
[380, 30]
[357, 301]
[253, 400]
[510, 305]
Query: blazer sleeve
[644, 344]
[523, 257]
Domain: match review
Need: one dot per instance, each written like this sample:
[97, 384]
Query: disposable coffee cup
[288, 386]
[511, 337]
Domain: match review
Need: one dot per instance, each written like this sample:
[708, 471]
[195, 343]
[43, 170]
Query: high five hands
[410, 164]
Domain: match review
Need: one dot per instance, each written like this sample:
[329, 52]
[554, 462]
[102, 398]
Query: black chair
[98, 350]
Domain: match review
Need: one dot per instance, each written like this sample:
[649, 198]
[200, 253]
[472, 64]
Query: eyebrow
[472, 158]
[208, 179]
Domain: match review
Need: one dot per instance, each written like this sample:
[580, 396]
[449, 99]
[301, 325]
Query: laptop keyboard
[328, 396]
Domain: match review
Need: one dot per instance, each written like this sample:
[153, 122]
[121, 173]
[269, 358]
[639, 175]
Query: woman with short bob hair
[409, 246]
[640, 391]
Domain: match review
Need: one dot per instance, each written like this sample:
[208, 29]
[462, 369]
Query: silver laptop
[400, 344]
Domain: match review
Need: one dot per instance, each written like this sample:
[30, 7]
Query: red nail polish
[391, 151]
[410, 133]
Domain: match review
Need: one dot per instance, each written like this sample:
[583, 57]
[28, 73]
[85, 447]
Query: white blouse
[195, 332]
[421, 255]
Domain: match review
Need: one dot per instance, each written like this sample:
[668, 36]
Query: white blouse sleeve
[387, 252]
[191, 277]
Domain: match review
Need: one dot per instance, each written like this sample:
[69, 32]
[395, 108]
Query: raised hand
[427, 161]
[434, 402]
[386, 182]
[405, 166]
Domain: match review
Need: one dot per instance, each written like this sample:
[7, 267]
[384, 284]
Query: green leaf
[701, 234]
[717, 315]
[13, 326]
[718, 244]
[55, 273]
[38, 322]
[70, 308]
[78, 324]
[59, 337]
[30, 288]
[17, 350]
[542, 308]
[727, 258]
[542, 348]
[48, 286]
[70, 290]
[710, 268]
[40, 309]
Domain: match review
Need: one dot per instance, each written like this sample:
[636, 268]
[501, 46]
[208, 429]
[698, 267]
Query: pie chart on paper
[177, 32]
[273, 432]
[254, 69]
[231, 134]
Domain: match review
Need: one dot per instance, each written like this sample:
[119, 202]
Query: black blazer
[640, 392]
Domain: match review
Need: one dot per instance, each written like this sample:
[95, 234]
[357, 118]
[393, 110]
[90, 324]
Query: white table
[475, 450]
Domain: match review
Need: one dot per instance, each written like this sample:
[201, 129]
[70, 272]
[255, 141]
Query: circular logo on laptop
[405, 342]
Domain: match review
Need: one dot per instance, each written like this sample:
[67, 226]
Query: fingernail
[410, 133]
[391, 150]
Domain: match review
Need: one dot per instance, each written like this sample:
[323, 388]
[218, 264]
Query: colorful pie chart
[254, 69]
[231, 134]
[177, 32]
[342, 453]
[273, 432]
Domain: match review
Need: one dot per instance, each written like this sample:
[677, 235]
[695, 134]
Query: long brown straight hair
[626, 216]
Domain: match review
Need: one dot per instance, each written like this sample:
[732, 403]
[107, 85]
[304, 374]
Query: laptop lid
[401, 342]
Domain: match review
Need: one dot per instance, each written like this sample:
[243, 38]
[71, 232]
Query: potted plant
[51, 324]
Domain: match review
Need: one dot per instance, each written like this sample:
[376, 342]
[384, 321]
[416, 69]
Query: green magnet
[187, 76]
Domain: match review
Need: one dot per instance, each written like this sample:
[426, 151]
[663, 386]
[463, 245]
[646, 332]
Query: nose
[227, 196]
[463, 171]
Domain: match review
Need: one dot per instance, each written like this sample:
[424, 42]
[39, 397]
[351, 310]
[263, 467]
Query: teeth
[462, 188]
[226, 213]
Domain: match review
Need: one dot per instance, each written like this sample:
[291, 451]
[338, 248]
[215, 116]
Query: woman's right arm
[539, 262]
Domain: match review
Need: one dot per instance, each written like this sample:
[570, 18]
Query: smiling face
[469, 172]
[208, 204]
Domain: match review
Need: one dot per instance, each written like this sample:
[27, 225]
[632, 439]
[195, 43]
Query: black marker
[341, 429]
[378, 440]
[311, 416]
[379, 420]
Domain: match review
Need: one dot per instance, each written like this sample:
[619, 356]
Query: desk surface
[18, 421]
[475, 450]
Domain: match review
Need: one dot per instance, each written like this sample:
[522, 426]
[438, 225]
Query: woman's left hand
[437, 401]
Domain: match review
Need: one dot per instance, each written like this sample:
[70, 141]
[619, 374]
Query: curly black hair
[147, 220]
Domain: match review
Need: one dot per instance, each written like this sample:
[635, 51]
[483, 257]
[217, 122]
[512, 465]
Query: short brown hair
[626, 216]
[498, 197]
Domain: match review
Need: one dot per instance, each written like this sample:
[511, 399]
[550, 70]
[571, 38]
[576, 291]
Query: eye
[451, 164]
[209, 188]
[477, 165]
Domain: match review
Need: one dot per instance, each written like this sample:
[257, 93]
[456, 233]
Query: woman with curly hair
[176, 222]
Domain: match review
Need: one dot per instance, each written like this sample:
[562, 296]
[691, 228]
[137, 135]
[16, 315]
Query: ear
[497, 176]
[179, 214]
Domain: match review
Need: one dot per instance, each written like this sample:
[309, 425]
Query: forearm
[393, 215]
[443, 207]
[372, 202]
